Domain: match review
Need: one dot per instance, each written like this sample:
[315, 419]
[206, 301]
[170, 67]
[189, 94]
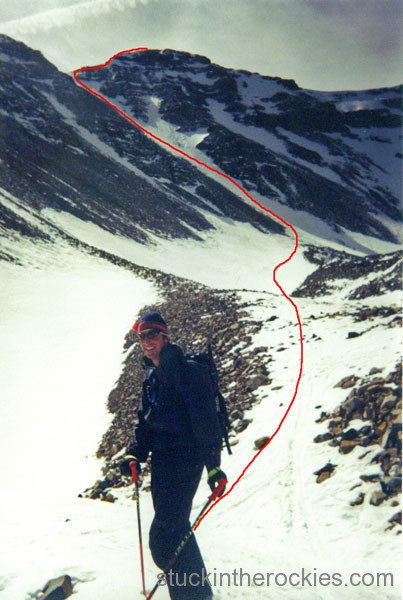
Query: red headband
[140, 326]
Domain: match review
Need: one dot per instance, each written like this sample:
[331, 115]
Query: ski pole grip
[133, 468]
[219, 489]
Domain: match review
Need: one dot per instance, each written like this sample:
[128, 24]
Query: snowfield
[62, 329]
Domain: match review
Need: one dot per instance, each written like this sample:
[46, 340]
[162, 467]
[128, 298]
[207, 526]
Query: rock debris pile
[382, 273]
[371, 415]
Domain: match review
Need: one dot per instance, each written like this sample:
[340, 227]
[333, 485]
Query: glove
[125, 465]
[215, 477]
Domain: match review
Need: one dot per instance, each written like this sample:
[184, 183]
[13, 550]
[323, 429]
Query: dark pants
[175, 476]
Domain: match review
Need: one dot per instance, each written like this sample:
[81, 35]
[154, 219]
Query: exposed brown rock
[377, 498]
[377, 400]
[260, 442]
[359, 500]
[397, 518]
[346, 446]
[322, 437]
[370, 478]
[347, 382]
[325, 472]
[375, 371]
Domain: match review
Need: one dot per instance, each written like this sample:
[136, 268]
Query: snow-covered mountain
[334, 156]
[99, 221]
[303, 154]
[64, 150]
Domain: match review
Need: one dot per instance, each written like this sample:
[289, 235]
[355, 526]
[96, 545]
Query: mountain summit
[303, 154]
[335, 156]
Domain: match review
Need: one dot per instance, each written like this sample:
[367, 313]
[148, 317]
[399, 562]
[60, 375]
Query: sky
[321, 44]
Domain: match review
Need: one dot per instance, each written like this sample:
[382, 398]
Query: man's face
[152, 342]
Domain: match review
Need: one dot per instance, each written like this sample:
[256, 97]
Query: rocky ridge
[383, 272]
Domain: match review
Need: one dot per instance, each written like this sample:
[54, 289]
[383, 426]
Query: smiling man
[153, 340]
[178, 424]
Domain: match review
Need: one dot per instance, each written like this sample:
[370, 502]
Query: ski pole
[216, 493]
[135, 478]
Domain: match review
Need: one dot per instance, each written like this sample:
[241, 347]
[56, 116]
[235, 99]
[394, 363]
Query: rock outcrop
[376, 402]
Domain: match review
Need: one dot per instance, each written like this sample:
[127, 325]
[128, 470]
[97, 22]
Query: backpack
[206, 358]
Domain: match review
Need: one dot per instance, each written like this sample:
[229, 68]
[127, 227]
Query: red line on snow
[239, 187]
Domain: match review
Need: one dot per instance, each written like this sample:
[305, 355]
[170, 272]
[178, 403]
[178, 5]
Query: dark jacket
[177, 409]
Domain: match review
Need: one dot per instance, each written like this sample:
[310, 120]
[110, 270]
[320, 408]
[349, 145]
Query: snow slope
[63, 334]
[62, 326]
[256, 254]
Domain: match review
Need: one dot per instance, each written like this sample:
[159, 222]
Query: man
[178, 424]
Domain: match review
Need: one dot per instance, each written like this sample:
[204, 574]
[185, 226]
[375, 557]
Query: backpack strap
[149, 388]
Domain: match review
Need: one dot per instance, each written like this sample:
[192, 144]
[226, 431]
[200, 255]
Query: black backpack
[206, 358]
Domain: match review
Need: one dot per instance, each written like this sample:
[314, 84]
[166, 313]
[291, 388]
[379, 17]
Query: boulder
[108, 498]
[376, 390]
[323, 437]
[352, 407]
[236, 414]
[375, 477]
[242, 425]
[395, 438]
[336, 426]
[377, 498]
[375, 370]
[350, 434]
[359, 500]
[260, 442]
[367, 440]
[365, 430]
[57, 589]
[347, 382]
[389, 402]
[381, 428]
[325, 472]
[323, 476]
[397, 518]
[392, 485]
[255, 382]
[347, 446]
[260, 350]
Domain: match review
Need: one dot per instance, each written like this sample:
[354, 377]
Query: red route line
[237, 185]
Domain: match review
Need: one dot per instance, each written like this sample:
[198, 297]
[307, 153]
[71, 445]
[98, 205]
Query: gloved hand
[215, 477]
[125, 465]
